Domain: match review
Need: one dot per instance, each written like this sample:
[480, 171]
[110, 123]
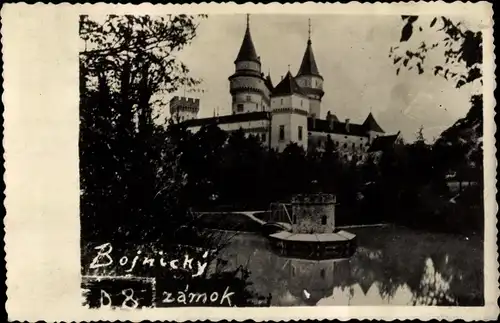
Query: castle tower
[247, 85]
[372, 128]
[310, 80]
[182, 108]
[289, 110]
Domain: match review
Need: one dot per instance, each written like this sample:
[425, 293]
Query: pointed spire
[268, 81]
[371, 124]
[309, 32]
[247, 50]
[308, 66]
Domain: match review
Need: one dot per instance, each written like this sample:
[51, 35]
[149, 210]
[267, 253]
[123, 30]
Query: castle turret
[372, 128]
[309, 78]
[247, 85]
[289, 110]
[269, 82]
[182, 108]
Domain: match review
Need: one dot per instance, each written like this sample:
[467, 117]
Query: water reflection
[391, 266]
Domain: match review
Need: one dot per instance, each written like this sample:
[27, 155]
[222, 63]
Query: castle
[285, 113]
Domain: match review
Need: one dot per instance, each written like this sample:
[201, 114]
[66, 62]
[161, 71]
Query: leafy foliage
[405, 185]
[130, 179]
[457, 153]
[461, 47]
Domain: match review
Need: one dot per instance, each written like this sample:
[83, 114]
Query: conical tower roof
[287, 86]
[308, 65]
[371, 124]
[247, 50]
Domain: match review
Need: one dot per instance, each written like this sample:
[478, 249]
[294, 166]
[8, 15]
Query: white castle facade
[285, 113]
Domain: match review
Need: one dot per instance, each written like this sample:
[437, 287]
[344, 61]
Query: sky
[352, 56]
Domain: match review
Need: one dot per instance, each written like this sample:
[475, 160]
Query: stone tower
[289, 111]
[182, 108]
[248, 87]
[310, 80]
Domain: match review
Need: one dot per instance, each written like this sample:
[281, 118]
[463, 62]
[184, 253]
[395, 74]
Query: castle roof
[308, 66]
[269, 82]
[371, 124]
[341, 128]
[231, 118]
[247, 50]
[287, 86]
[383, 143]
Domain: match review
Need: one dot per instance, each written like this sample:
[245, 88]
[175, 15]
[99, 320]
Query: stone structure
[182, 109]
[289, 112]
[313, 213]
[316, 278]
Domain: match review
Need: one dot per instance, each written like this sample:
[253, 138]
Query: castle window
[301, 102]
[249, 98]
[263, 137]
[361, 145]
[300, 133]
[239, 107]
[282, 132]
[281, 101]
[323, 220]
[353, 145]
[322, 273]
[345, 145]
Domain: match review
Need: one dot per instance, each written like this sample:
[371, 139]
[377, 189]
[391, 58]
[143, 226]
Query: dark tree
[460, 45]
[458, 150]
[128, 169]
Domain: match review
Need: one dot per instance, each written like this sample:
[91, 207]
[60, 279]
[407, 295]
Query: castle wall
[291, 101]
[296, 122]
[245, 102]
[289, 112]
[182, 108]
[313, 213]
[315, 108]
[247, 81]
[344, 144]
[279, 120]
[258, 128]
[310, 81]
[373, 134]
[183, 115]
[249, 91]
[255, 124]
[248, 65]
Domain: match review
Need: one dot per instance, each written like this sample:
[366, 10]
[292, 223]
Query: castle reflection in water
[396, 266]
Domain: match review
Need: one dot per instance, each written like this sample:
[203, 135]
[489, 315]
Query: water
[392, 266]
